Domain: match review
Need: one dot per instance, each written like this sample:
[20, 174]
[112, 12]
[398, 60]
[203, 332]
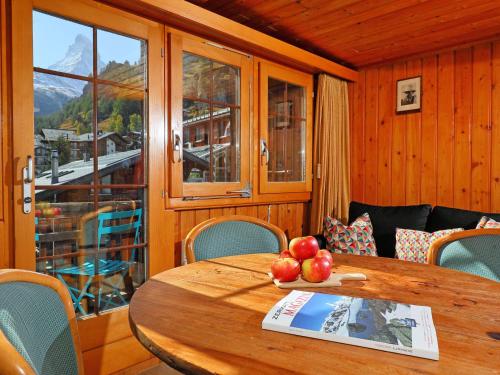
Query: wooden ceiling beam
[194, 19]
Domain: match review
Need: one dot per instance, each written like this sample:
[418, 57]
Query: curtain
[331, 184]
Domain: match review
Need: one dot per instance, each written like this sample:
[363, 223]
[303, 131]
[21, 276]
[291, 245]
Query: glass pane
[63, 240]
[286, 150]
[122, 265]
[196, 149]
[197, 73]
[62, 45]
[120, 140]
[276, 97]
[226, 144]
[226, 84]
[63, 125]
[296, 101]
[121, 58]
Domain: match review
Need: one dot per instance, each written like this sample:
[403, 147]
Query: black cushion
[321, 240]
[385, 220]
[448, 218]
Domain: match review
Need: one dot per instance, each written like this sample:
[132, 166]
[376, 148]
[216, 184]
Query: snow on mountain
[52, 92]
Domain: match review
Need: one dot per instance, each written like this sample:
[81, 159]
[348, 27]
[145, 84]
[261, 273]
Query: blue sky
[313, 313]
[52, 36]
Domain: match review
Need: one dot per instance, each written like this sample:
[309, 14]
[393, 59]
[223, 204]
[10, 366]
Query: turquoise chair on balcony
[474, 251]
[38, 330]
[233, 235]
[108, 224]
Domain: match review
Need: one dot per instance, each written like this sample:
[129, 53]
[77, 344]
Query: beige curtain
[331, 152]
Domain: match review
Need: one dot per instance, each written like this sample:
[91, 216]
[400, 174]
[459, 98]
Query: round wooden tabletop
[206, 318]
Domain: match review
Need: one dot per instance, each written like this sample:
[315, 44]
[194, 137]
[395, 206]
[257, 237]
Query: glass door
[85, 184]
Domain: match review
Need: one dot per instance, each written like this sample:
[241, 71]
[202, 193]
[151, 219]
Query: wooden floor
[161, 369]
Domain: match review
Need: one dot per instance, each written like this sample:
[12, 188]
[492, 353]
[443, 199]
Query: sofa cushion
[488, 223]
[447, 218]
[385, 220]
[413, 245]
[356, 239]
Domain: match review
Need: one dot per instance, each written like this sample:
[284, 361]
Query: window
[212, 120]
[285, 130]
[90, 94]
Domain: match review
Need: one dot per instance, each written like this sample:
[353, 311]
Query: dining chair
[475, 251]
[38, 330]
[232, 235]
[99, 265]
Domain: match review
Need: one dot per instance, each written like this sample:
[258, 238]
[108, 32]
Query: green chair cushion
[33, 319]
[234, 238]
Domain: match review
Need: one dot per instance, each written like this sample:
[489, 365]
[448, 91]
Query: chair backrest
[474, 251]
[38, 330]
[129, 222]
[233, 235]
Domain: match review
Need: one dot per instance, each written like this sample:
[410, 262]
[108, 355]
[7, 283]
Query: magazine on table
[372, 323]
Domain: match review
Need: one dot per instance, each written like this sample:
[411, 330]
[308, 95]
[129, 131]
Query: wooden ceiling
[364, 32]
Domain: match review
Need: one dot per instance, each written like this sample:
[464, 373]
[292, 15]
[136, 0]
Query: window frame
[177, 187]
[268, 70]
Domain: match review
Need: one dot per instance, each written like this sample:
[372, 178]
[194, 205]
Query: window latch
[264, 152]
[176, 146]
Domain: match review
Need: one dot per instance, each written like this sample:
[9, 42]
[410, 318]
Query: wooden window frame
[268, 70]
[177, 187]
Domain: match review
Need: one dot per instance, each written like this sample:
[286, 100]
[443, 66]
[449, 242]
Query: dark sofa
[385, 220]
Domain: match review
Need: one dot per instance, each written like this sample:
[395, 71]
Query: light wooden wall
[292, 218]
[449, 153]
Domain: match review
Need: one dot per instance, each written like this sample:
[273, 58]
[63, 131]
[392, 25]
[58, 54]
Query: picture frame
[409, 95]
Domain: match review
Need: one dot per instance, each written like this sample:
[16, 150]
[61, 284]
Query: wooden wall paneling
[357, 137]
[110, 358]
[201, 216]
[229, 211]
[463, 120]
[274, 214]
[481, 128]
[384, 134]
[447, 154]
[398, 149]
[371, 124]
[413, 143]
[216, 212]
[291, 220]
[263, 212]
[445, 128]
[495, 131]
[428, 186]
[300, 222]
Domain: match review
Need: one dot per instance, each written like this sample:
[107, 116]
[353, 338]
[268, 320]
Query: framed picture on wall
[409, 95]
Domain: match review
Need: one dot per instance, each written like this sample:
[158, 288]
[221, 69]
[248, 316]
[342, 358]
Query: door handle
[264, 151]
[176, 146]
[28, 176]
[27, 180]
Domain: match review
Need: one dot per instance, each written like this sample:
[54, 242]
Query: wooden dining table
[206, 317]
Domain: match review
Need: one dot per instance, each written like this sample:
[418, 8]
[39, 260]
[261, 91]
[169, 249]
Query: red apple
[326, 254]
[285, 269]
[286, 254]
[317, 269]
[303, 247]
[38, 213]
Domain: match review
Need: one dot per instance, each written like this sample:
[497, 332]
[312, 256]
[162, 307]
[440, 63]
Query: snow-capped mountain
[52, 92]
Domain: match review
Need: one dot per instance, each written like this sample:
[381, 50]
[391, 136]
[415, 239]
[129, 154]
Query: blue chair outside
[233, 235]
[129, 222]
[38, 330]
[472, 251]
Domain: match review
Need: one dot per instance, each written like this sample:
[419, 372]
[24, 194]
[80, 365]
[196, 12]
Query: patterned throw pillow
[413, 245]
[487, 222]
[354, 239]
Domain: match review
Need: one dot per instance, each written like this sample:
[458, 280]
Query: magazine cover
[372, 323]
